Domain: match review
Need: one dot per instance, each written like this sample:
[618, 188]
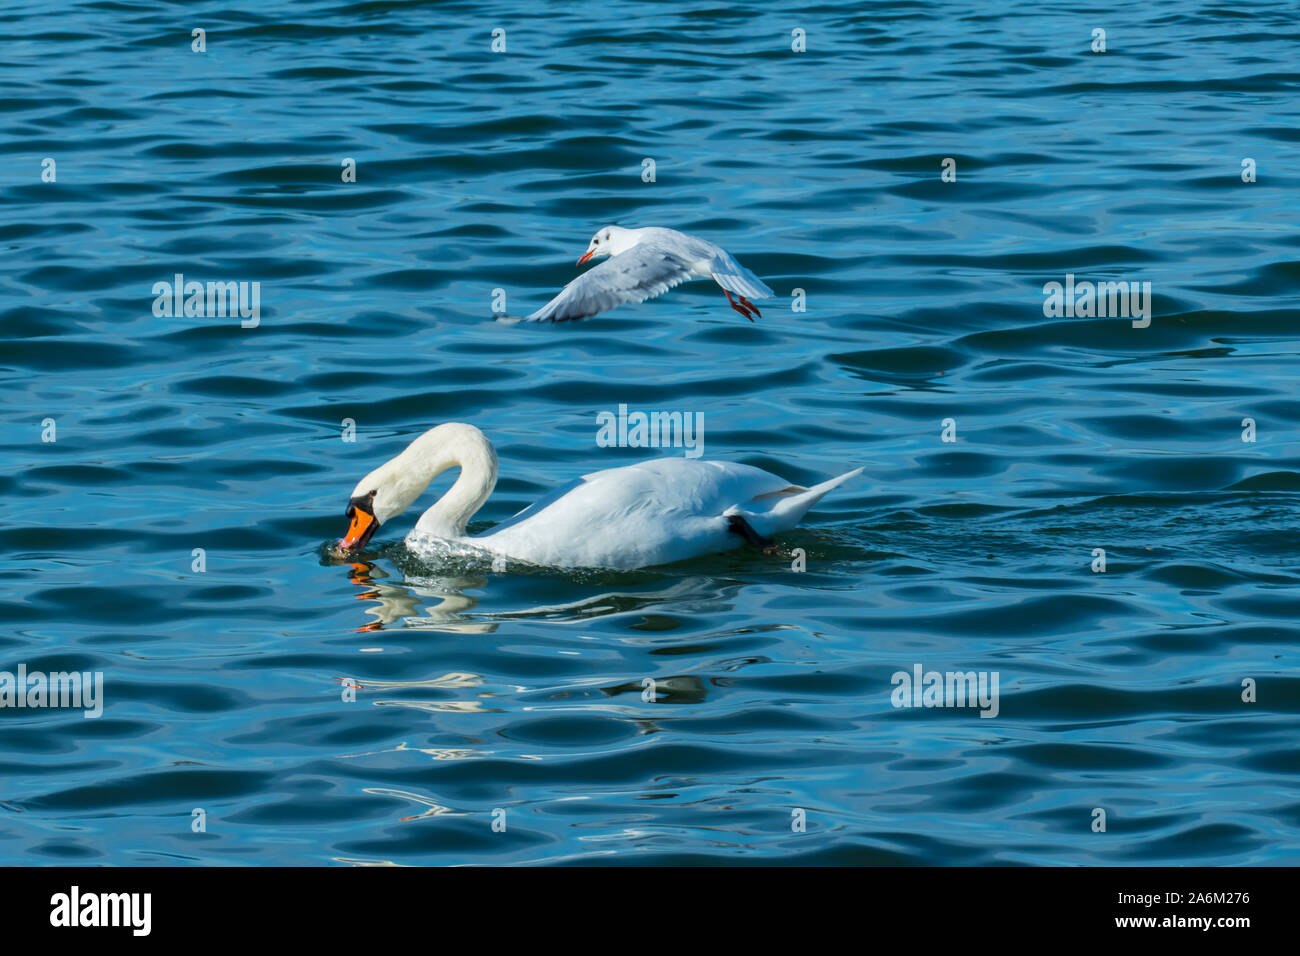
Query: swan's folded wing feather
[537, 507]
[642, 272]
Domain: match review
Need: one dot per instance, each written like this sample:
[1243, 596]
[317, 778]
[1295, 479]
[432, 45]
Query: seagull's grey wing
[640, 273]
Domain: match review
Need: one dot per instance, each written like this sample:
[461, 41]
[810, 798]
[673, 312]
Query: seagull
[644, 263]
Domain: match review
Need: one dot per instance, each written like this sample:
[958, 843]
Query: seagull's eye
[595, 242]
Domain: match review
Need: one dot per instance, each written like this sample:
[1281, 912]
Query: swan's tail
[788, 510]
[798, 505]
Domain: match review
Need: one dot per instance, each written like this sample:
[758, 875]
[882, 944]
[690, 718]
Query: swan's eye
[365, 503]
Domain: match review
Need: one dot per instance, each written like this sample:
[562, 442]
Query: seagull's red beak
[585, 256]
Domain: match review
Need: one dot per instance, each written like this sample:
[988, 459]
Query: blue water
[521, 691]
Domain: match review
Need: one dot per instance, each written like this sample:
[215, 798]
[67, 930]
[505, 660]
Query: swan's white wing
[654, 512]
[640, 273]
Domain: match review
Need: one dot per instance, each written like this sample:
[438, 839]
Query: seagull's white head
[609, 241]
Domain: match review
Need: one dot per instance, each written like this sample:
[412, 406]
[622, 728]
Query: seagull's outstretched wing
[640, 273]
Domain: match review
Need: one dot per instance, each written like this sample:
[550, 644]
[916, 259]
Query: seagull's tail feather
[734, 277]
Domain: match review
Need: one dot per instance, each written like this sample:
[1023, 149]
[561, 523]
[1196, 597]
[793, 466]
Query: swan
[644, 263]
[654, 512]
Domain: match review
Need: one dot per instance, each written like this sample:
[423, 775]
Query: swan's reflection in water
[457, 716]
[445, 605]
[440, 602]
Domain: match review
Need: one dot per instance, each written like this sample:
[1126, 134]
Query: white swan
[655, 512]
[644, 263]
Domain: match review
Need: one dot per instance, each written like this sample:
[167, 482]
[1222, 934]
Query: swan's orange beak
[585, 256]
[360, 530]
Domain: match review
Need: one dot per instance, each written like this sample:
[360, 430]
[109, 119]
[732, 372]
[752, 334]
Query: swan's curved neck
[433, 453]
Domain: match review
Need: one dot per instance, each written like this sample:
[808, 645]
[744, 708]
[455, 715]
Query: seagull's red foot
[739, 308]
[749, 305]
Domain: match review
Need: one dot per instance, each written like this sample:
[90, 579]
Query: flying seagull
[643, 263]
